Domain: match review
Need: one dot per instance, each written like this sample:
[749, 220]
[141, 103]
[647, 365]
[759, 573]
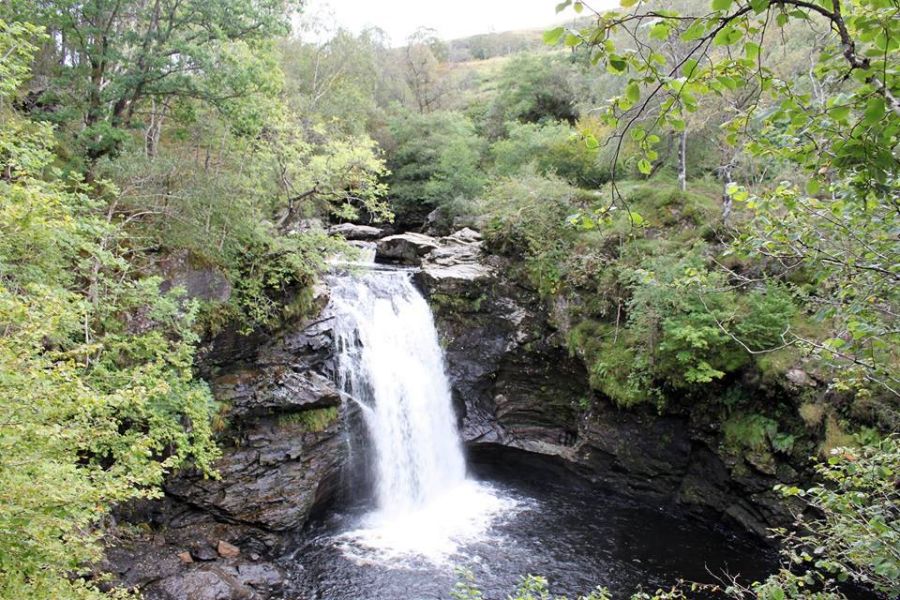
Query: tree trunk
[726, 197]
[682, 161]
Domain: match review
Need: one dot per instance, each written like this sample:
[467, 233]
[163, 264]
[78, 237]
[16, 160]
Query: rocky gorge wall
[518, 389]
[284, 449]
[522, 399]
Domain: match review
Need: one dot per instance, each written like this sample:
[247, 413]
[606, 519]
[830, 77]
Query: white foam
[434, 532]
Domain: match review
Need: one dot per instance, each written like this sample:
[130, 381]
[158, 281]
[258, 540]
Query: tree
[533, 89]
[96, 386]
[836, 220]
[422, 55]
[434, 159]
[339, 80]
[106, 60]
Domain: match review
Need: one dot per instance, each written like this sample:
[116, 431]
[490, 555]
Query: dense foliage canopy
[704, 194]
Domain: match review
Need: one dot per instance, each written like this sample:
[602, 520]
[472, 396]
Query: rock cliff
[283, 450]
[519, 389]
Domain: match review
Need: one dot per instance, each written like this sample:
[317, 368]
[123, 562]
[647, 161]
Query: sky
[451, 18]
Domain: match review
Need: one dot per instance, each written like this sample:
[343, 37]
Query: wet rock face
[285, 449]
[513, 381]
[516, 386]
[273, 476]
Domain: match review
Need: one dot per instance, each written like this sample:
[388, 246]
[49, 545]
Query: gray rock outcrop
[353, 232]
[518, 387]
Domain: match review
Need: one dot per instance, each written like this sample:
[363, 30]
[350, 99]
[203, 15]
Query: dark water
[576, 537]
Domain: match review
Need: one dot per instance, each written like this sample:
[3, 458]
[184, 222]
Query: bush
[855, 533]
[433, 159]
[529, 213]
[551, 148]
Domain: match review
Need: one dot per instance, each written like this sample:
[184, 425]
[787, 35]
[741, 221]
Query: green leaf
[660, 31]
[563, 5]
[737, 192]
[689, 66]
[751, 50]
[875, 110]
[633, 92]
[644, 166]
[591, 142]
[695, 31]
[839, 113]
[552, 36]
[627, 3]
[636, 219]
[812, 187]
[728, 36]
[616, 64]
[721, 4]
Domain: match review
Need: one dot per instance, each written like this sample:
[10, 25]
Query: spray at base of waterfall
[435, 532]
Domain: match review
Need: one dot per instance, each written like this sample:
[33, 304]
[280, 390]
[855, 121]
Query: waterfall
[390, 363]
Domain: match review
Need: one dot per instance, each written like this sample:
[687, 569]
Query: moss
[812, 414]
[457, 304]
[610, 359]
[756, 437]
[314, 420]
[747, 432]
[773, 365]
[303, 304]
[835, 436]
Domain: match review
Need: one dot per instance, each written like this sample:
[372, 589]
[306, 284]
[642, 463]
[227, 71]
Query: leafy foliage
[111, 58]
[435, 158]
[838, 128]
[856, 531]
[96, 379]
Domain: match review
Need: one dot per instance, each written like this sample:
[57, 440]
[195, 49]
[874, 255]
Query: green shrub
[433, 159]
[551, 148]
[529, 213]
[315, 420]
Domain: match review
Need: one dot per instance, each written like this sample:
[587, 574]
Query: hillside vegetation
[704, 194]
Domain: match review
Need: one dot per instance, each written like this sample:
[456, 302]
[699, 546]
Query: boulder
[800, 378]
[465, 236]
[205, 583]
[198, 281]
[457, 261]
[353, 232]
[405, 248]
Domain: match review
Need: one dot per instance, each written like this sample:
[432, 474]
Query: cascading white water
[391, 364]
